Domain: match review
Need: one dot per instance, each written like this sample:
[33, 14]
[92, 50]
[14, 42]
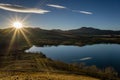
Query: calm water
[101, 55]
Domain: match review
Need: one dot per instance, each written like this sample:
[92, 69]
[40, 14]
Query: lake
[101, 55]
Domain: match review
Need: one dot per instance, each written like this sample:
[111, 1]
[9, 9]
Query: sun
[17, 25]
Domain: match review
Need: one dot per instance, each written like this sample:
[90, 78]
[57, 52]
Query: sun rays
[17, 31]
[25, 37]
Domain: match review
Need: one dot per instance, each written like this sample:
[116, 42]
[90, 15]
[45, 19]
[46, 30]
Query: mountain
[56, 32]
[93, 31]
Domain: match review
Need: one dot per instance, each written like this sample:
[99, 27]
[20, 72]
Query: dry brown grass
[43, 76]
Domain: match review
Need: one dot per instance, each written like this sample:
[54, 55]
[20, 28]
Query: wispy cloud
[56, 6]
[83, 12]
[63, 7]
[21, 9]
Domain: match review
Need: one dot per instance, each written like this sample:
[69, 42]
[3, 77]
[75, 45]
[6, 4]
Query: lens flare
[17, 25]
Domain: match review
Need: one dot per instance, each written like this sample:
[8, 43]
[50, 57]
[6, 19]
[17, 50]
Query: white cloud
[83, 12]
[56, 6]
[21, 9]
[63, 7]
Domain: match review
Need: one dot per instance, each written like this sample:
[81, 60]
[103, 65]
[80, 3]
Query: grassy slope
[30, 66]
[43, 76]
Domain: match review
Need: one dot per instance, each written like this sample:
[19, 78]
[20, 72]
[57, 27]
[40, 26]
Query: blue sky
[62, 14]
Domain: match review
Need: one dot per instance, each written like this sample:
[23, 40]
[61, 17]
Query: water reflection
[101, 55]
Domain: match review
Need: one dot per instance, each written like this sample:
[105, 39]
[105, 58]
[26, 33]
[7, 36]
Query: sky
[61, 14]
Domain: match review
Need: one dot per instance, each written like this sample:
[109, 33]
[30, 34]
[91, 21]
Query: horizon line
[61, 29]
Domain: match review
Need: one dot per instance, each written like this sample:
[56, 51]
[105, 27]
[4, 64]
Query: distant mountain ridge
[81, 36]
[74, 32]
[93, 31]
